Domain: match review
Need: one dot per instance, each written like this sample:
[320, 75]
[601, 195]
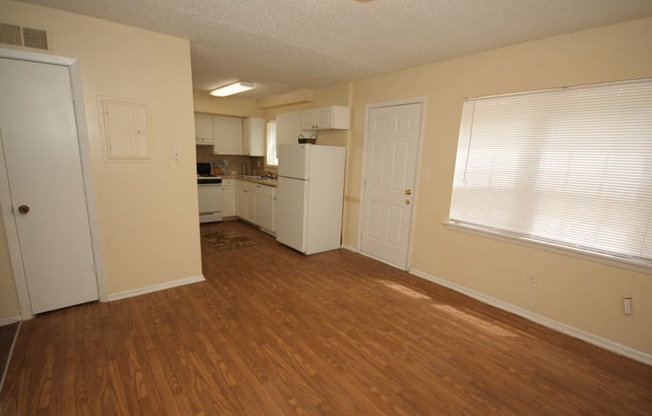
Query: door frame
[417, 169]
[11, 231]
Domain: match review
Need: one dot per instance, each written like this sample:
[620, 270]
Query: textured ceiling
[285, 45]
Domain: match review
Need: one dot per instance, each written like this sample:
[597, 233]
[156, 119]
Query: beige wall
[577, 292]
[147, 210]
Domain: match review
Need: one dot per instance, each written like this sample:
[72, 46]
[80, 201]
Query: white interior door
[43, 166]
[391, 157]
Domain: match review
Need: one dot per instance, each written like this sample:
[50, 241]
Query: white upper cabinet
[253, 143]
[288, 128]
[203, 129]
[227, 135]
[332, 117]
[231, 135]
[290, 125]
[282, 128]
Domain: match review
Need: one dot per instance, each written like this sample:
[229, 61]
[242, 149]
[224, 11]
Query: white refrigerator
[310, 196]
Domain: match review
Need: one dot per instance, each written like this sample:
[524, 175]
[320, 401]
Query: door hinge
[84, 186]
[95, 269]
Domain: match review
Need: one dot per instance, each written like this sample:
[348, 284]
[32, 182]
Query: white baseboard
[155, 288]
[540, 319]
[10, 320]
[350, 248]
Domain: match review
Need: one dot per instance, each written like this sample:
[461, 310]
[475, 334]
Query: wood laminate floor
[7, 335]
[273, 332]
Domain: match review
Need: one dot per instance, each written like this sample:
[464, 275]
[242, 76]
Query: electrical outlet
[176, 153]
[531, 280]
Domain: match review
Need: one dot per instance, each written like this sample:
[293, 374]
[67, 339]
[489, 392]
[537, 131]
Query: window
[271, 158]
[570, 168]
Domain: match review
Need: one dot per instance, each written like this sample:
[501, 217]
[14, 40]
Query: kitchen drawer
[264, 190]
[228, 182]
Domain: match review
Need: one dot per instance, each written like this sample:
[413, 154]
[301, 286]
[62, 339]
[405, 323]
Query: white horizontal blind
[571, 167]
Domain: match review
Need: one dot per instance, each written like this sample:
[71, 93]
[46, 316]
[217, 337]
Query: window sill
[623, 263]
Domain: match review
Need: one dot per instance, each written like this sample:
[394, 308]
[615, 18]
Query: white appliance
[310, 195]
[209, 191]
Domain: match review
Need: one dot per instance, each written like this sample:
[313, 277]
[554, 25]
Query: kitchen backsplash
[233, 165]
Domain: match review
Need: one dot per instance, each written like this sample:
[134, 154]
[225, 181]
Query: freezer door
[292, 208]
[294, 161]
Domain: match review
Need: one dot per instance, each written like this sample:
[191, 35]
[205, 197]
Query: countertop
[254, 179]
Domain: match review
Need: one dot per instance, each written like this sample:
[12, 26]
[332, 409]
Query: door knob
[408, 192]
[407, 202]
[23, 209]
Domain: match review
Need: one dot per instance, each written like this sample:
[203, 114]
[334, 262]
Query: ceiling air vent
[23, 36]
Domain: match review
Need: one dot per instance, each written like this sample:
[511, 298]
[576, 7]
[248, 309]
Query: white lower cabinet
[228, 198]
[239, 198]
[245, 205]
[265, 207]
[250, 203]
[256, 203]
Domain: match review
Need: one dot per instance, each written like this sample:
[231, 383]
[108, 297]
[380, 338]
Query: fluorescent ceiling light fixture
[235, 88]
